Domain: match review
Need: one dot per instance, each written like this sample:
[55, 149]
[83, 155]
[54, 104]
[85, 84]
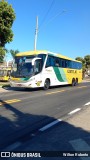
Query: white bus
[44, 69]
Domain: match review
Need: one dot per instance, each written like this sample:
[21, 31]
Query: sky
[63, 26]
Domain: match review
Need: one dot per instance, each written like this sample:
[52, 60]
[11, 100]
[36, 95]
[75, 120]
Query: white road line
[87, 104]
[80, 145]
[50, 125]
[12, 146]
[74, 111]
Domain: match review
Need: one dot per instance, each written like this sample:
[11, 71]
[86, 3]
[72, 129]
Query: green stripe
[58, 74]
[63, 74]
[25, 79]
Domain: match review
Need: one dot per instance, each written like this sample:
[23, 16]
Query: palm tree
[14, 52]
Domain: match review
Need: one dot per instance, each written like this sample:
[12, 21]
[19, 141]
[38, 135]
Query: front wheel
[46, 84]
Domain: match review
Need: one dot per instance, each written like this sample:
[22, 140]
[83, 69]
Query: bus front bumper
[22, 85]
[26, 85]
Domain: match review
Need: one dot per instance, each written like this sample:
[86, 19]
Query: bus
[40, 68]
[5, 73]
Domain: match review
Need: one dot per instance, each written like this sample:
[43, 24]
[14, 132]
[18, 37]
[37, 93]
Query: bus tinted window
[42, 56]
[50, 61]
[69, 64]
[76, 65]
[57, 63]
[60, 62]
[63, 63]
[66, 63]
[79, 65]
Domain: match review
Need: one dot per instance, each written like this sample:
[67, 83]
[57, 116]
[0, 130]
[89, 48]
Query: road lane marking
[74, 111]
[80, 145]
[9, 101]
[87, 104]
[55, 92]
[48, 93]
[50, 125]
[12, 100]
[82, 87]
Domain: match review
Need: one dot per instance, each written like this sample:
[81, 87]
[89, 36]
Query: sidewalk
[82, 119]
[3, 84]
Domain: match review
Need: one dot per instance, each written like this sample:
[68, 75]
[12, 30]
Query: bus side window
[57, 62]
[69, 64]
[42, 56]
[48, 62]
[63, 63]
[38, 66]
[66, 63]
[60, 62]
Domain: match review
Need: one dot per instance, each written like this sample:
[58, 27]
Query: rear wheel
[73, 82]
[46, 84]
[76, 82]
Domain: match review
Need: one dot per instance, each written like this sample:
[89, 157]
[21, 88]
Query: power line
[52, 3]
[52, 18]
[58, 14]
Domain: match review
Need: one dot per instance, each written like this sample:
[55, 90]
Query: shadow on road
[32, 89]
[18, 126]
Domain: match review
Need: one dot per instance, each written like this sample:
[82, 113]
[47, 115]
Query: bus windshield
[23, 66]
[23, 69]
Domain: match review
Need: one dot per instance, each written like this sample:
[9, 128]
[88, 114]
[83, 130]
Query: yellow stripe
[9, 101]
[13, 100]
[63, 90]
[55, 92]
[82, 87]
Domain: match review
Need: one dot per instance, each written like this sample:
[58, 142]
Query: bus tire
[46, 84]
[73, 82]
[76, 82]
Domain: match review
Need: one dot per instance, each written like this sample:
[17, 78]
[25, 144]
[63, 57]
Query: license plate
[19, 85]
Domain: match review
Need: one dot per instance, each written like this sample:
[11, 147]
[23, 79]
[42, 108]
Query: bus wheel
[76, 82]
[73, 82]
[46, 84]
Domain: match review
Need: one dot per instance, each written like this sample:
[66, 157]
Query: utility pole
[36, 32]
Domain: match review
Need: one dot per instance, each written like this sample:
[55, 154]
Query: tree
[7, 17]
[87, 60]
[2, 54]
[14, 52]
[80, 59]
[83, 65]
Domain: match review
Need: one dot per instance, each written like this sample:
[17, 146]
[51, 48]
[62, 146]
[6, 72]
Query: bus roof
[36, 52]
[31, 53]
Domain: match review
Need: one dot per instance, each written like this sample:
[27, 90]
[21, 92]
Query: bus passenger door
[37, 71]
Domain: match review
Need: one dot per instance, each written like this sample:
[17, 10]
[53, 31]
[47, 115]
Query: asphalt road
[23, 113]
